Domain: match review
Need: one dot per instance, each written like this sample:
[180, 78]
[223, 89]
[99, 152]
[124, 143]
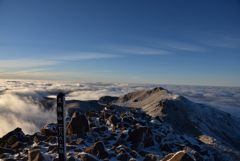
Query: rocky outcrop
[11, 138]
[141, 135]
[78, 124]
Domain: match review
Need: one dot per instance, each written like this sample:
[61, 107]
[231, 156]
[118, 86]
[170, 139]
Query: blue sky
[167, 42]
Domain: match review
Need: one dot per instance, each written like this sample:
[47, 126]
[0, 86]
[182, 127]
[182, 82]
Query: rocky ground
[113, 133]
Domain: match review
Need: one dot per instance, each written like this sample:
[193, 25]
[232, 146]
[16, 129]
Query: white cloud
[86, 55]
[20, 63]
[223, 98]
[18, 99]
[16, 111]
[61, 58]
[131, 49]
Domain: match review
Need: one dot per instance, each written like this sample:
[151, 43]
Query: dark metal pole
[61, 119]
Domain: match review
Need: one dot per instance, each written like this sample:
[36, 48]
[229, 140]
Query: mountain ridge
[186, 117]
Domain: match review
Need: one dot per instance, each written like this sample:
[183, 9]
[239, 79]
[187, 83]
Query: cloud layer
[19, 100]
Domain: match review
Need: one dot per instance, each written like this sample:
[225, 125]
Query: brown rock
[80, 141]
[51, 139]
[12, 139]
[114, 119]
[179, 156]
[112, 148]
[78, 124]
[47, 132]
[150, 157]
[98, 149]
[18, 132]
[39, 157]
[17, 145]
[38, 138]
[85, 157]
[134, 154]
[123, 157]
[123, 115]
[141, 134]
[34, 147]
[123, 129]
[33, 153]
[121, 151]
[132, 159]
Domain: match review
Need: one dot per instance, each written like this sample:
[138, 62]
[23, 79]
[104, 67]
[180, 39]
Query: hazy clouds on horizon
[19, 108]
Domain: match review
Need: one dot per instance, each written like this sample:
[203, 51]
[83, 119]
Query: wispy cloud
[131, 49]
[21, 63]
[219, 39]
[62, 58]
[222, 41]
[39, 74]
[177, 45]
[86, 55]
[30, 71]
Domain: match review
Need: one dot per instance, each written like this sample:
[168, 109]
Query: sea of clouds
[20, 107]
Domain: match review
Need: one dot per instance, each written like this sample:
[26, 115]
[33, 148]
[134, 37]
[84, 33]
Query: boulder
[141, 134]
[114, 119]
[12, 139]
[150, 157]
[128, 119]
[98, 149]
[39, 157]
[47, 132]
[134, 154]
[38, 138]
[179, 156]
[167, 157]
[123, 157]
[85, 157]
[17, 145]
[78, 124]
[80, 141]
[166, 148]
[33, 153]
[18, 132]
[121, 151]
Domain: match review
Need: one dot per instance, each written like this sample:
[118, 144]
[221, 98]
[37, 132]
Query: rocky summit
[128, 129]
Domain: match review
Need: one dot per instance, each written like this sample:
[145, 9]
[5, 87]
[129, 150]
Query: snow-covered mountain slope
[172, 128]
[108, 135]
[198, 120]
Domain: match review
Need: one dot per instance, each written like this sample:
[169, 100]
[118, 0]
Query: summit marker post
[61, 120]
